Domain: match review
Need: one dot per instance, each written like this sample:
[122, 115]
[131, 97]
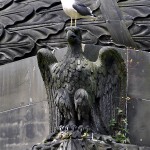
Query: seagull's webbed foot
[71, 22]
[75, 22]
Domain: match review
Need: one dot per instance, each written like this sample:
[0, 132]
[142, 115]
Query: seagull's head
[74, 35]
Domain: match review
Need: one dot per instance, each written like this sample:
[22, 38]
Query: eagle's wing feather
[45, 59]
[111, 85]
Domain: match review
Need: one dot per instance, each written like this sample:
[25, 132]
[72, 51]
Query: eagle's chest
[71, 74]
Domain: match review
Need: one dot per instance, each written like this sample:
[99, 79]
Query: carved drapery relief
[27, 25]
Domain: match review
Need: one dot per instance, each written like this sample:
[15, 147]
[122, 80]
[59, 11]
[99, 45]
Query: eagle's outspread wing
[45, 60]
[111, 85]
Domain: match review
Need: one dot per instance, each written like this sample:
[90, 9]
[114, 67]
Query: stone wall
[23, 105]
[139, 97]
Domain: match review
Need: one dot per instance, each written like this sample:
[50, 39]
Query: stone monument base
[68, 140]
[78, 144]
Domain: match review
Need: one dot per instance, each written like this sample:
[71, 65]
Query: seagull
[76, 10]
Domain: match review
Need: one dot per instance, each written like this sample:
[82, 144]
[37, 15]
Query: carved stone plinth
[77, 144]
[67, 141]
[92, 145]
[75, 140]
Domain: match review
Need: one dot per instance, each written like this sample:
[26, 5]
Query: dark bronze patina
[86, 93]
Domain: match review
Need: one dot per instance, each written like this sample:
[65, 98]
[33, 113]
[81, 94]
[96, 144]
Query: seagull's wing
[82, 9]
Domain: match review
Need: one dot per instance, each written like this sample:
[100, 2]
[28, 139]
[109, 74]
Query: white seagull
[76, 10]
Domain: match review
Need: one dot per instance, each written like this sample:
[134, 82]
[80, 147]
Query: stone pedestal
[87, 144]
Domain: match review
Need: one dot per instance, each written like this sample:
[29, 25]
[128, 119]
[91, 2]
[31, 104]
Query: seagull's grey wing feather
[82, 9]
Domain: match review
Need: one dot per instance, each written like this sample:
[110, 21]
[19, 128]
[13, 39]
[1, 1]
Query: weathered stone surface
[139, 97]
[64, 140]
[22, 127]
[24, 115]
[118, 146]
[87, 144]
[20, 84]
[138, 120]
[139, 74]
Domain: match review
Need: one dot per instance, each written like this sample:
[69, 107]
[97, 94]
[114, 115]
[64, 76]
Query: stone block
[23, 127]
[138, 91]
[20, 84]
[138, 120]
[139, 74]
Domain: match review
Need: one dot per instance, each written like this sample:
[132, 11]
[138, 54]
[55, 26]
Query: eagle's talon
[61, 128]
[71, 127]
[82, 129]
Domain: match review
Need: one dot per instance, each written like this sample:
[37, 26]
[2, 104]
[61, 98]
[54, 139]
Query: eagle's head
[74, 35]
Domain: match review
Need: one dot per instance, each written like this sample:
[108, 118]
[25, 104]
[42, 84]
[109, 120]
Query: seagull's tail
[92, 16]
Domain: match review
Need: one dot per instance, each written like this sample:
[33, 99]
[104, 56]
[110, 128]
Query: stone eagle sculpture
[86, 93]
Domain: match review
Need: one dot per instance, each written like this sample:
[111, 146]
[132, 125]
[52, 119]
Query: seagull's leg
[71, 22]
[75, 22]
